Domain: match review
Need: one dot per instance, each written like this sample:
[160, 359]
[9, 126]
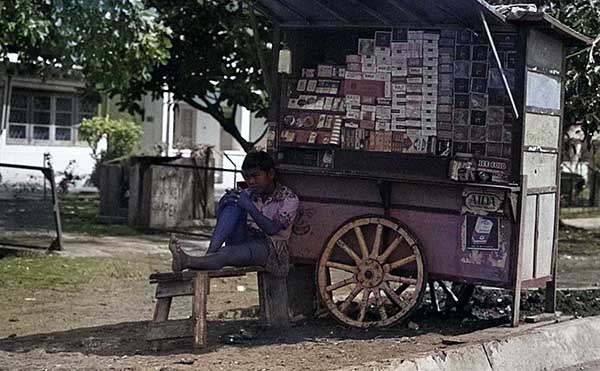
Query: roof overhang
[378, 13]
[544, 21]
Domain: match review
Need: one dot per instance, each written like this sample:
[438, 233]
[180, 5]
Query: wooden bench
[272, 292]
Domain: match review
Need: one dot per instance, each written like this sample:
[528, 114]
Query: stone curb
[549, 347]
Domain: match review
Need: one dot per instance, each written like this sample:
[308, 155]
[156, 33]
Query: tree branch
[261, 57]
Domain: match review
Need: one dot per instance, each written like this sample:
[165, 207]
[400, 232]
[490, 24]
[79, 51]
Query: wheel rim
[371, 273]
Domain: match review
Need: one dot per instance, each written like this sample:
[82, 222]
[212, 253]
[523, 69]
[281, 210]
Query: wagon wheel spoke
[344, 307]
[340, 266]
[380, 305]
[400, 263]
[401, 289]
[341, 284]
[363, 305]
[393, 296]
[393, 278]
[364, 259]
[388, 251]
[360, 237]
[377, 241]
[348, 251]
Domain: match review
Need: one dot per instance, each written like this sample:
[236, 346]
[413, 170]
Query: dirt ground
[90, 312]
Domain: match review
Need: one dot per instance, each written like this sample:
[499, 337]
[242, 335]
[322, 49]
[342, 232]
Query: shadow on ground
[128, 338]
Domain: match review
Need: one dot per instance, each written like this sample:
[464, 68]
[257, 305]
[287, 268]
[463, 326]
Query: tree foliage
[114, 43]
[217, 60]
[122, 137]
[583, 68]
[582, 99]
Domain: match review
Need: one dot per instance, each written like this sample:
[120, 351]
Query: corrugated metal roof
[545, 21]
[390, 13]
[377, 13]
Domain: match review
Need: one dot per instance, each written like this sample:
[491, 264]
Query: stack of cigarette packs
[315, 108]
[437, 92]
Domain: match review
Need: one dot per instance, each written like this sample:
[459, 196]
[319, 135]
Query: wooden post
[161, 311]
[273, 299]
[302, 289]
[518, 251]
[199, 309]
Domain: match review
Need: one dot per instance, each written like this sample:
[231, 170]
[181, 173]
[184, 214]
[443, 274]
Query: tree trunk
[228, 124]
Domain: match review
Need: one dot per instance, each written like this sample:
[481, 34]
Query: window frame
[52, 126]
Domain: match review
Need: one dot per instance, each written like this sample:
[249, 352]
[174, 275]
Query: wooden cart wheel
[371, 273]
[447, 295]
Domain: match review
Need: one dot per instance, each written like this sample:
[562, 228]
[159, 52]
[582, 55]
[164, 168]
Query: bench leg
[201, 285]
[161, 311]
[273, 298]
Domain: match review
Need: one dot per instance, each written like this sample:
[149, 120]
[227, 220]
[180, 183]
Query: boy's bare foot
[177, 254]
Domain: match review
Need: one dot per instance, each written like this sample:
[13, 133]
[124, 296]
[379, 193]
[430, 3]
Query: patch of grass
[578, 241]
[80, 215]
[59, 273]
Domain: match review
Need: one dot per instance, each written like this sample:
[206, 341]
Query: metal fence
[29, 212]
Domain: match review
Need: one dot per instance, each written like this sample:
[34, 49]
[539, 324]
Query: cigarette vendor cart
[423, 140]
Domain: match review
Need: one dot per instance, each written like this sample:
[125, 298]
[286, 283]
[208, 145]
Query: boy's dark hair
[258, 159]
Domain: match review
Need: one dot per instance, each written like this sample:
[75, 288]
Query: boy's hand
[244, 201]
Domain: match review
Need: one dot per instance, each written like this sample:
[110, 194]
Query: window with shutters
[184, 130]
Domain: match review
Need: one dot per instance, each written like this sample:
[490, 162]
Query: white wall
[34, 156]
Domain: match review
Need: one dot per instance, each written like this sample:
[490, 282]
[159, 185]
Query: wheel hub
[370, 273]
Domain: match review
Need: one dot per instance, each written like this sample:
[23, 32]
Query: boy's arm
[270, 227]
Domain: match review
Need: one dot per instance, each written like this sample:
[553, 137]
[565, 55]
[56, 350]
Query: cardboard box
[414, 88]
[383, 125]
[366, 124]
[353, 58]
[413, 113]
[461, 117]
[415, 80]
[462, 101]
[370, 88]
[445, 118]
[446, 51]
[414, 98]
[351, 75]
[445, 100]
[432, 61]
[478, 101]
[446, 59]
[446, 41]
[429, 131]
[444, 108]
[478, 117]
[398, 119]
[399, 34]
[398, 87]
[325, 70]
[383, 112]
[444, 134]
[354, 67]
[430, 79]
[415, 62]
[415, 35]
[429, 106]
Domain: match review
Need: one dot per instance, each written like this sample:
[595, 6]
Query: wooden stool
[272, 293]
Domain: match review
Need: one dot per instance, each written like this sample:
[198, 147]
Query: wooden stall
[423, 140]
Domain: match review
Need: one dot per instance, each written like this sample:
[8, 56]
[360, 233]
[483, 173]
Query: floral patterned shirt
[281, 206]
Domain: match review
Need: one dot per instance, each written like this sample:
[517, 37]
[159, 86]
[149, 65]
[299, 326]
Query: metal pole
[504, 80]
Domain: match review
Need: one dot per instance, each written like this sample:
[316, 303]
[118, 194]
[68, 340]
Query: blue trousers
[243, 247]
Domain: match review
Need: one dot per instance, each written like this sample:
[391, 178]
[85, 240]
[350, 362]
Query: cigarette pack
[325, 70]
[353, 58]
